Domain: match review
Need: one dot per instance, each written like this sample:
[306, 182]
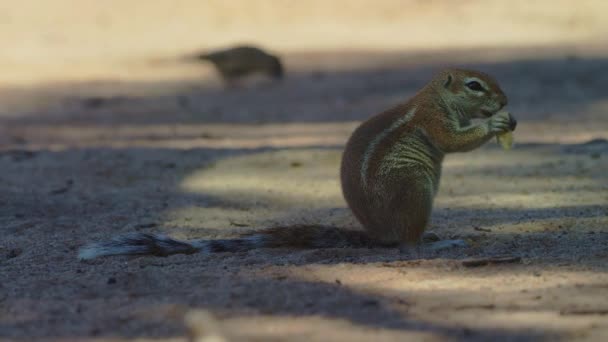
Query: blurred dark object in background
[241, 61]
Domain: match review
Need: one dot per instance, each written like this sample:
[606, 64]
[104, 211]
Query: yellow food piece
[505, 140]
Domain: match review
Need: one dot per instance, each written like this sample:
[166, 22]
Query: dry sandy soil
[93, 147]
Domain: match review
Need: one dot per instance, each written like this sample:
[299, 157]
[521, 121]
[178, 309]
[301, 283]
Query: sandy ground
[91, 149]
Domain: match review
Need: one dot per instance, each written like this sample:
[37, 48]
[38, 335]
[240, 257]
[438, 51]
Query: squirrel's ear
[448, 81]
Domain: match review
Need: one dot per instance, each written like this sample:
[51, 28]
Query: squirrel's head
[474, 93]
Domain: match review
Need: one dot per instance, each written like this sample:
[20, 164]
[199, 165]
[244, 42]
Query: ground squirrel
[390, 172]
[392, 162]
[240, 61]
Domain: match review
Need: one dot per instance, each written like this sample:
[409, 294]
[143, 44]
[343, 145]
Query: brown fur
[394, 205]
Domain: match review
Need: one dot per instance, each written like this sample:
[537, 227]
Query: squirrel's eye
[474, 85]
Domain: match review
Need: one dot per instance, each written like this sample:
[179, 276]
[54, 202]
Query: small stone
[13, 253]
[146, 225]
[430, 237]
[370, 302]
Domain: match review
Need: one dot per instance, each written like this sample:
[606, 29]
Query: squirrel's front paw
[502, 122]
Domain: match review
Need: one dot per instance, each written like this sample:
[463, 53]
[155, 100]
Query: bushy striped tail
[298, 236]
[162, 245]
